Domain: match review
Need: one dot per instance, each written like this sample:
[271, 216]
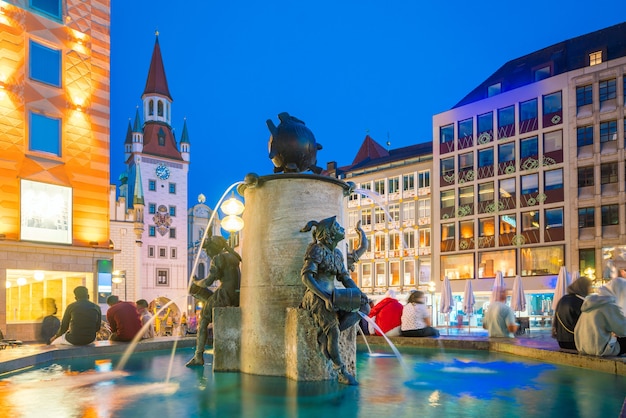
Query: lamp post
[232, 222]
[119, 276]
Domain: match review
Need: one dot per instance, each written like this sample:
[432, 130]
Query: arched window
[160, 108]
[151, 108]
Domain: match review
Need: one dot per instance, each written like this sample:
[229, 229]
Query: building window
[608, 131]
[172, 210]
[541, 261]
[530, 220]
[608, 90]
[485, 157]
[529, 184]
[394, 241]
[586, 217]
[494, 89]
[380, 241]
[506, 122]
[485, 128]
[151, 251]
[408, 236]
[159, 108]
[456, 267]
[447, 168]
[553, 142]
[152, 208]
[485, 192]
[49, 7]
[466, 129]
[394, 273]
[152, 231]
[529, 147]
[381, 277]
[507, 193]
[379, 215]
[610, 215]
[172, 232]
[552, 103]
[162, 277]
[543, 73]
[586, 260]
[585, 176]
[409, 272]
[366, 185]
[394, 212]
[447, 199]
[466, 196]
[554, 218]
[379, 186]
[423, 179]
[45, 64]
[366, 217]
[595, 58]
[553, 179]
[353, 218]
[172, 188]
[162, 252]
[151, 107]
[491, 261]
[447, 232]
[161, 137]
[446, 133]
[506, 153]
[393, 184]
[45, 134]
[408, 182]
[423, 208]
[173, 252]
[424, 238]
[466, 231]
[486, 227]
[152, 185]
[508, 224]
[584, 95]
[466, 161]
[608, 173]
[528, 116]
[584, 136]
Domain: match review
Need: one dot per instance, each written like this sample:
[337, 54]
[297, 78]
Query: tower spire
[157, 82]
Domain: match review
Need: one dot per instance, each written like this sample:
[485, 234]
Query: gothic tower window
[160, 108]
[151, 108]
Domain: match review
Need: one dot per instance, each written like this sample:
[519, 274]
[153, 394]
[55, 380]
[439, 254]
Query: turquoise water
[433, 384]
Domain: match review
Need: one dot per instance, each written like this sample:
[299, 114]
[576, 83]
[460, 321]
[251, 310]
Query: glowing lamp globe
[232, 223]
[232, 206]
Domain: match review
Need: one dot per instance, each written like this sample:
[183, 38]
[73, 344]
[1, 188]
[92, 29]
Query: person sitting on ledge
[123, 319]
[601, 328]
[567, 312]
[80, 322]
[416, 317]
[499, 319]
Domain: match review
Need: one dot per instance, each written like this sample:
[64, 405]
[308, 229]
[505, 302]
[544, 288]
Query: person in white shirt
[416, 317]
[499, 319]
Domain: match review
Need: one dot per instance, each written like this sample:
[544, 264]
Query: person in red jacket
[388, 315]
[123, 319]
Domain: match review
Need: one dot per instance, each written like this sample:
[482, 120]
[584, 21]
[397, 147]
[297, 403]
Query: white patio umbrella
[468, 302]
[518, 298]
[445, 306]
[498, 284]
[560, 289]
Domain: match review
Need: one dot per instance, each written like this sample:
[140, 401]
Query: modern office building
[54, 156]
[149, 219]
[530, 172]
[392, 200]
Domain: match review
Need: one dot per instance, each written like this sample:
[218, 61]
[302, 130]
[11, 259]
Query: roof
[157, 82]
[562, 57]
[151, 144]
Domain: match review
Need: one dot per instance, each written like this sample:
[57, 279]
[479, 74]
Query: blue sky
[345, 67]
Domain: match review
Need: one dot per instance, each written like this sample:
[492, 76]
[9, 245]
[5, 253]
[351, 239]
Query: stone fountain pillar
[277, 338]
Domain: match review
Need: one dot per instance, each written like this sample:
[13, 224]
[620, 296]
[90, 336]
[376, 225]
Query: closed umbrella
[518, 298]
[560, 290]
[446, 299]
[468, 302]
[498, 284]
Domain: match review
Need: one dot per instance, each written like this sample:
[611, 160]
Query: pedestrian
[146, 318]
[567, 312]
[81, 321]
[416, 317]
[499, 320]
[123, 319]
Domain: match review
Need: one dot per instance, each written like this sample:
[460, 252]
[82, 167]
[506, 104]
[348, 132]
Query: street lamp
[232, 222]
[119, 276]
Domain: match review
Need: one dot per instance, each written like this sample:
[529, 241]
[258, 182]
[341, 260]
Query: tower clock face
[162, 172]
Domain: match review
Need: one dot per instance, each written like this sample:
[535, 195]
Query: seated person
[123, 319]
[146, 317]
[387, 315]
[81, 321]
[499, 320]
[416, 317]
[567, 312]
[601, 327]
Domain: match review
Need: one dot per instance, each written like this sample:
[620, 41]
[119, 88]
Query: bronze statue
[292, 146]
[333, 309]
[225, 268]
[354, 256]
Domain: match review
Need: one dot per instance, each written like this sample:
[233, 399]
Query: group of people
[592, 323]
[82, 320]
[394, 319]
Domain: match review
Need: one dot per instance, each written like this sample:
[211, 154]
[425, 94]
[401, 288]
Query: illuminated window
[45, 64]
[394, 241]
[408, 237]
[485, 192]
[45, 212]
[424, 238]
[595, 58]
[394, 272]
[45, 134]
[542, 261]
[366, 275]
[530, 220]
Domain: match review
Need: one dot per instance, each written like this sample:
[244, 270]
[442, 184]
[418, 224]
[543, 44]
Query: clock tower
[155, 191]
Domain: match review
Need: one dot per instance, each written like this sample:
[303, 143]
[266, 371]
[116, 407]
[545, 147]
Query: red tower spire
[157, 82]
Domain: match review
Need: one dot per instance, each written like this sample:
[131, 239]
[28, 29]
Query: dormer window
[595, 58]
[161, 137]
[494, 89]
[542, 73]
